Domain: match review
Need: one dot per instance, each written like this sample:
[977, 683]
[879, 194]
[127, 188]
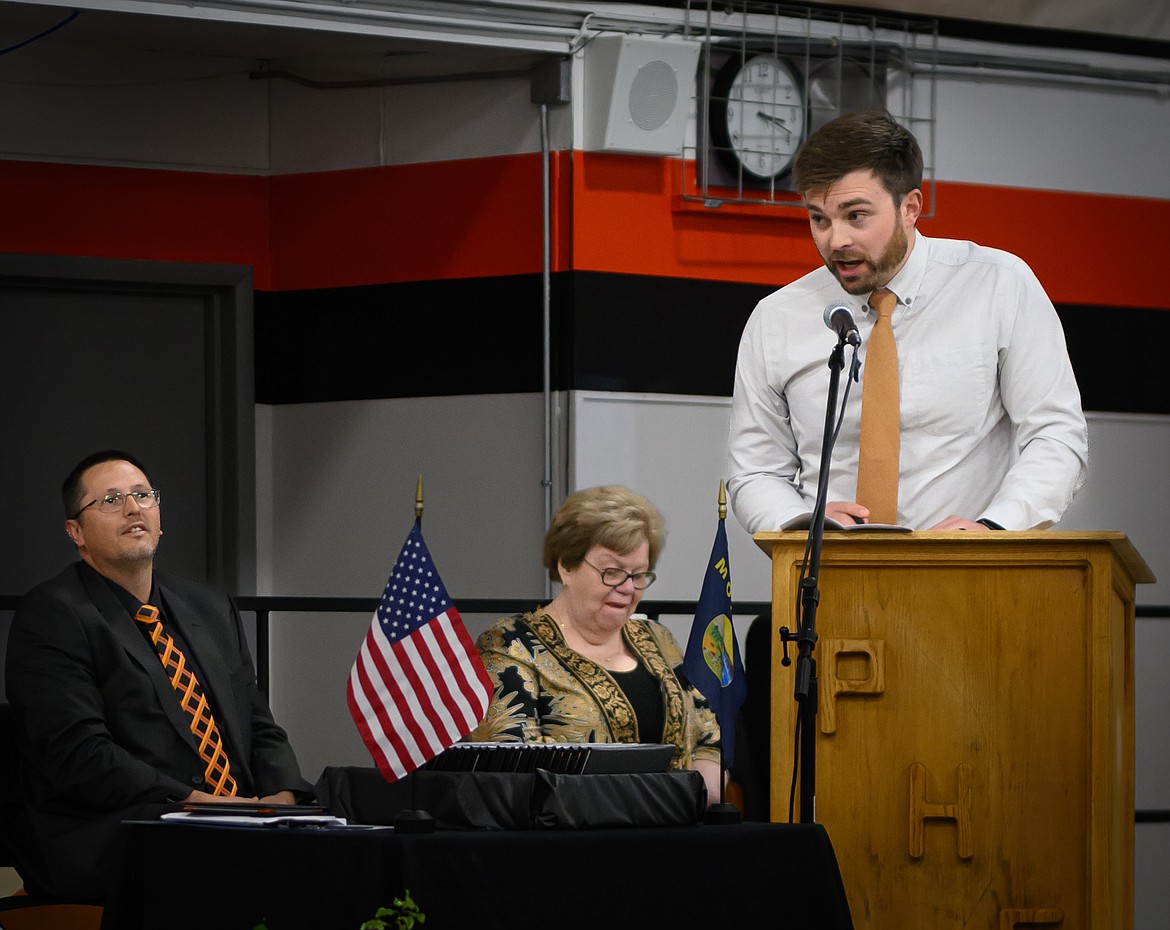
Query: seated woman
[583, 670]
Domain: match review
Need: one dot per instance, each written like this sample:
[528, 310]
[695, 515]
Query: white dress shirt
[992, 426]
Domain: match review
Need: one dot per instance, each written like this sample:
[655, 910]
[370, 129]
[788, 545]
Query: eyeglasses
[112, 503]
[616, 577]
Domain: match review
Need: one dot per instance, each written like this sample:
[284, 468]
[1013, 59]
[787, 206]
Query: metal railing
[263, 606]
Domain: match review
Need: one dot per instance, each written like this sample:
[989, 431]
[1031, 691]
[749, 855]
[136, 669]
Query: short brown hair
[856, 141]
[71, 489]
[612, 516]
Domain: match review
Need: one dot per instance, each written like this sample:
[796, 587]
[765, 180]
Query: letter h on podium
[958, 810]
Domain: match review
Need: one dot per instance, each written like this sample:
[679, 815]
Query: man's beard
[143, 552]
[877, 273]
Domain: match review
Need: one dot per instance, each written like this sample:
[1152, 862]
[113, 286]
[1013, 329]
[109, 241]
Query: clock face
[758, 118]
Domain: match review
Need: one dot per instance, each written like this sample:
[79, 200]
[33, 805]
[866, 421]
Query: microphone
[839, 318]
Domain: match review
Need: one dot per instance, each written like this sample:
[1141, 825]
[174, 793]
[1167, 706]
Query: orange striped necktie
[218, 772]
[877, 464]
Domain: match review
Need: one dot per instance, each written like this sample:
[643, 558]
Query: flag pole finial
[722, 501]
[418, 499]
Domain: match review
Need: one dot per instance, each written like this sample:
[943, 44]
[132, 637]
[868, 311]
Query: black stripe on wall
[1117, 356]
[421, 339]
[655, 335]
[483, 336]
[611, 332]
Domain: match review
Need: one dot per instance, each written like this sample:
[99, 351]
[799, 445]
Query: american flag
[417, 684]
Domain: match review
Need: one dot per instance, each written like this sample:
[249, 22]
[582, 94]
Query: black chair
[28, 911]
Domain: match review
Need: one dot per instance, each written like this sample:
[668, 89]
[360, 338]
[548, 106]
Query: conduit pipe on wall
[529, 26]
[1020, 71]
[546, 321]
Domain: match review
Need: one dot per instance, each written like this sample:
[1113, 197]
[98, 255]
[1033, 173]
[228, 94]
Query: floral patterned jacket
[546, 692]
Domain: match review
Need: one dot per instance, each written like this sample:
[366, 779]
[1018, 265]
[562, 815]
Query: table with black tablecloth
[182, 875]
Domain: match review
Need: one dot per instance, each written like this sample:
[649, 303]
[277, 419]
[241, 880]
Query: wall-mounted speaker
[638, 93]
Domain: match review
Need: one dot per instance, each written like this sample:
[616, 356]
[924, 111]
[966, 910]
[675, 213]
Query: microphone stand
[805, 690]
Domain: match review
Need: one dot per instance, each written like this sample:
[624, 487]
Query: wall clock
[757, 116]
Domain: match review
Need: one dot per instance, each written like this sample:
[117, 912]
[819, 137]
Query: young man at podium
[966, 415]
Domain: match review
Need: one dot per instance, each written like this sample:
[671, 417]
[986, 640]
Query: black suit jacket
[102, 736]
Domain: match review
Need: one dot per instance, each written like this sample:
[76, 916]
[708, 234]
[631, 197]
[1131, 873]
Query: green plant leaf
[404, 911]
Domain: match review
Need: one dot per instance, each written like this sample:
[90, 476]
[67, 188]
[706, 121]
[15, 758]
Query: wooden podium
[974, 763]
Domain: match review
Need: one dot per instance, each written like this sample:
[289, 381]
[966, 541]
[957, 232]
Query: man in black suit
[98, 693]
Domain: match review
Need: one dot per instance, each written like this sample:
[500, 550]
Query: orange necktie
[877, 465]
[218, 771]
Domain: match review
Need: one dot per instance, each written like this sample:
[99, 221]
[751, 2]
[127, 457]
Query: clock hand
[768, 118]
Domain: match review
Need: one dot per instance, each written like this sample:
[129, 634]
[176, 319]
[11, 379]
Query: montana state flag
[712, 663]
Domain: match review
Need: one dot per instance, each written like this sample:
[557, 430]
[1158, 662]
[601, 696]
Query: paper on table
[255, 818]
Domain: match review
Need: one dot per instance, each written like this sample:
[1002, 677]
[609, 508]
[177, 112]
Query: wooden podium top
[923, 542]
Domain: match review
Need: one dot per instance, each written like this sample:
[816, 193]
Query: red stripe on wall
[482, 218]
[462, 219]
[1084, 248]
[459, 219]
[111, 212]
[629, 216]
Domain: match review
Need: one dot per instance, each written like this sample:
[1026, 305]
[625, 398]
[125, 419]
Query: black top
[641, 687]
